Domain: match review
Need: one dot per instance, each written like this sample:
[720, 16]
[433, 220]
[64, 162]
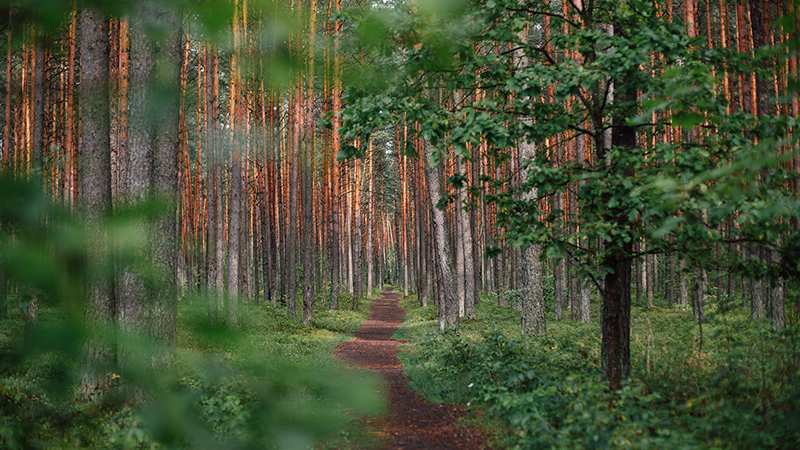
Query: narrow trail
[411, 422]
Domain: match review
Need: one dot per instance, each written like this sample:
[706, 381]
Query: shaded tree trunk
[306, 178]
[448, 303]
[234, 225]
[533, 318]
[615, 312]
[166, 245]
[95, 188]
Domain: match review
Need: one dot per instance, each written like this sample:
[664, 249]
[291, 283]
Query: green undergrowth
[734, 384]
[272, 383]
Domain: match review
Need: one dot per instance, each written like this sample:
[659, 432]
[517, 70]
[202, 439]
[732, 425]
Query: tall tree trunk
[95, 183]
[293, 228]
[357, 244]
[584, 308]
[37, 149]
[234, 224]
[133, 290]
[306, 188]
[775, 310]
[698, 295]
[9, 80]
[470, 284]
[37, 155]
[370, 221]
[533, 318]
[165, 180]
[267, 241]
[559, 269]
[616, 296]
[152, 171]
[756, 291]
[683, 290]
[448, 303]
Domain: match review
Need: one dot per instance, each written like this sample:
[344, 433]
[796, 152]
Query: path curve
[411, 423]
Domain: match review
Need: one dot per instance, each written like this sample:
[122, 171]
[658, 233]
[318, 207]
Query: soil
[411, 422]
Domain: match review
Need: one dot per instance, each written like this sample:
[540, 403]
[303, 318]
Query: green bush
[736, 390]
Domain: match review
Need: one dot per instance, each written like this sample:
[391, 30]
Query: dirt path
[411, 423]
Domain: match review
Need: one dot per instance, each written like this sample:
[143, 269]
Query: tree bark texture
[533, 317]
[95, 188]
[448, 304]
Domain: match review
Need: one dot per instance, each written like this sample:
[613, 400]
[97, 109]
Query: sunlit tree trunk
[370, 219]
[357, 244]
[37, 148]
[335, 229]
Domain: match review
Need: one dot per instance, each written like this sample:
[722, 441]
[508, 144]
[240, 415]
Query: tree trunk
[616, 307]
[165, 181]
[9, 80]
[213, 185]
[698, 295]
[775, 300]
[370, 220]
[37, 152]
[95, 187]
[756, 291]
[448, 304]
[306, 177]
[3, 293]
[615, 315]
[559, 267]
[533, 318]
[293, 229]
[267, 240]
[683, 291]
[470, 283]
[358, 277]
[133, 289]
[234, 224]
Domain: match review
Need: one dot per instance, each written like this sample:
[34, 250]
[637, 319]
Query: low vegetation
[731, 384]
[275, 383]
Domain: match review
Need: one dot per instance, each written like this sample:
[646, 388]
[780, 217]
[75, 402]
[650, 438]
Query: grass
[737, 387]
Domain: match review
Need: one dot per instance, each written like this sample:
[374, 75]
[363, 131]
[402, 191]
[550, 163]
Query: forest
[587, 210]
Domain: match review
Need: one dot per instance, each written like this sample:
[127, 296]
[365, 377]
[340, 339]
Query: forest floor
[411, 422]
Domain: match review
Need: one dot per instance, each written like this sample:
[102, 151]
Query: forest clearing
[400, 224]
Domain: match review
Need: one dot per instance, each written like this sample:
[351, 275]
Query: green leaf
[348, 151]
[667, 227]
[554, 251]
[687, 119]
[410, 151]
